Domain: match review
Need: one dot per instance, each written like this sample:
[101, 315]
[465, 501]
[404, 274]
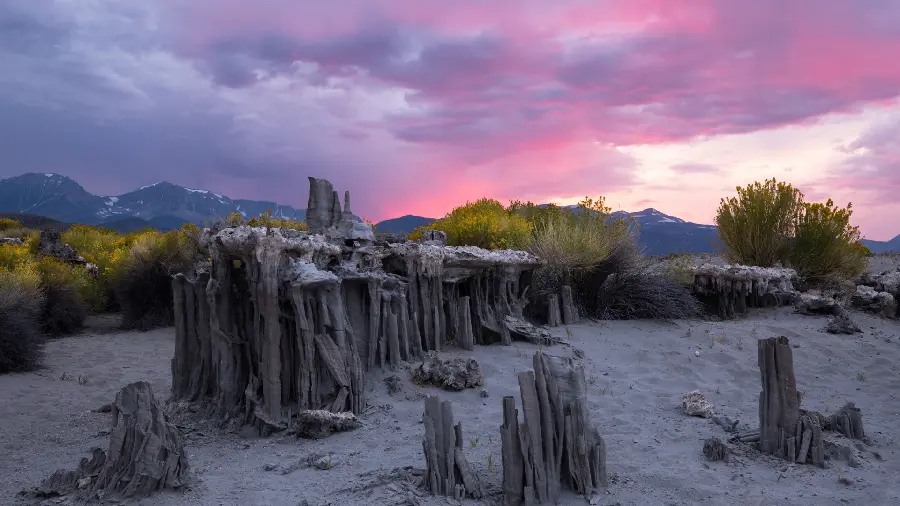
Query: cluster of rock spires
[283, 321]
[785, 429]
[728, 290]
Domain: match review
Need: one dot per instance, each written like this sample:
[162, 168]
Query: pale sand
[637, 372]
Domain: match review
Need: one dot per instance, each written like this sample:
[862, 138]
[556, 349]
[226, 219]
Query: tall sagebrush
[825, 244]
[107, 249]
[755, 226]
[66, 290]
[143, 285]
[21, 343]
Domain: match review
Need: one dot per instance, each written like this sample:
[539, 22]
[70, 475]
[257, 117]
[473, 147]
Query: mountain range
[166, 206]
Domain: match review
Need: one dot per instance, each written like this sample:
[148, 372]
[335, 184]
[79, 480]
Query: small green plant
[473, 442]
[861, 377]
[490, 463]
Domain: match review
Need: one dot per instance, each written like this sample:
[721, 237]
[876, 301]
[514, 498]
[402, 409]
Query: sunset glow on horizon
[417, 107]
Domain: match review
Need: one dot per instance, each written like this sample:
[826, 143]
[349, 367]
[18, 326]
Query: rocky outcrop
[784, 430]
[870, 300]
[324, 214]
[842, 324]
[447, 470]
[555, 445]
[816, 303]
[145, 454]
[50, 244]
[286, 321]
[728, 290]
[453, 374]
[884, 282]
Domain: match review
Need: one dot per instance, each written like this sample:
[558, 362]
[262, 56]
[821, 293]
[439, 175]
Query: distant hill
[892, 246]
[36, 222]
[404, 224]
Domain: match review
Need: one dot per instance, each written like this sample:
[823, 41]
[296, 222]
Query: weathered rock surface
[842, 324]
[730, 289]
[714, 449]
[50, 244]
[695, 404]
[556, 444]
[285, 321]
[145, 454]
[318, 423]
[447, 470]
[813, 303]
[868, 299]
[453, 374]
[785, 431]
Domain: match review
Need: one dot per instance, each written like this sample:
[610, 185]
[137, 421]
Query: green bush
[143, 283]
[768, 223]
[576, 240]
[484, 223]
[756, 225]
[826, 245]
[66, 289]
[21, 343]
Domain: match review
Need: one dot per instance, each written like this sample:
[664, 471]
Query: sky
[418, 106]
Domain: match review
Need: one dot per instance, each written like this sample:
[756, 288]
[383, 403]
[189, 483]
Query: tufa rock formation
[870, 300]
[715, 450]
[285, 321]
[145, 454]
[728, 290]
[782, 430]
[447, 471]
[50, 244]
[452, 374]
[842, 324]
[556, 443]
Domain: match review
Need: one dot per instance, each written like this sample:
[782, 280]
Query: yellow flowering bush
[484, 223]
[769, 223]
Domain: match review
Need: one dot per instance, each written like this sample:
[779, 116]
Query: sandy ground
[637, 372]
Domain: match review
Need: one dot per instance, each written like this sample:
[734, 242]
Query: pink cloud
[417, 106]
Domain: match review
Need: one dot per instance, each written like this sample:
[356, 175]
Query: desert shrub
[580, 239]
[66, 290]
[14, 257]
[235, 220]
[621, 287]
[826, 245]
[107, 249]
[21, 343]
[267, 220]
[679, 268]
[143, 280]
[7, 224]
[484, 223]
[755, 226]
[12, 228]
